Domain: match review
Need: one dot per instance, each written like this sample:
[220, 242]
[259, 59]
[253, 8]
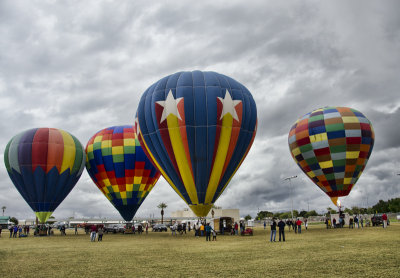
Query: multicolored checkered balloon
[120, 169]
[332, 145]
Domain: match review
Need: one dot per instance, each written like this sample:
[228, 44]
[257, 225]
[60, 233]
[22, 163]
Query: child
[214, 233]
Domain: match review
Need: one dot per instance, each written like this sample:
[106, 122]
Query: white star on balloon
[170, 106]
[229, 106]
[137, 127]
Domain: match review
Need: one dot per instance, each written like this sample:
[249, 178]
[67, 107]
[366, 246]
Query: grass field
[317, 252]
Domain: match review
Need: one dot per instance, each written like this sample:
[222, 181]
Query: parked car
[160, 228]
[376, 220]
[114, 229]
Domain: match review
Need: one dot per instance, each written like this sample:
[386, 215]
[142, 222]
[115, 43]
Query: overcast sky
[82, 66]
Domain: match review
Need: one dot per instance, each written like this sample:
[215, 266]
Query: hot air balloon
[44, 164]
[197, 128]
[332, 145]
[120, 169]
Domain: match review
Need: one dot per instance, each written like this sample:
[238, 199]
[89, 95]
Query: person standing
[281, 226]
[236, 228]
[362, 222]
[384, 218]
[100, 233]
[208, 232]
[214, 233]
[15, 231]
[147, 228]
[93, 233]
[265, 225]
[306, 223]
[298, 224]
[0, 231]
[356, 222]
[11, 229]
[76, 229]
[273, 229]
[202, 229]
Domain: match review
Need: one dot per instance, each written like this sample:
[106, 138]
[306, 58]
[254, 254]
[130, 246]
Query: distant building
[188, 214]
[4, 222]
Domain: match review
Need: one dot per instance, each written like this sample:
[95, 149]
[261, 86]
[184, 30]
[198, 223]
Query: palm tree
[162, 206]
[3, 208]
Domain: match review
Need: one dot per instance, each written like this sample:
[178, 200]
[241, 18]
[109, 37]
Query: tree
[247, 217]
[356, 210]
[14, 220]
[263, 214]
[331, 210]
[3, 208]
[162, 206]
[303, 213]
[311, 213]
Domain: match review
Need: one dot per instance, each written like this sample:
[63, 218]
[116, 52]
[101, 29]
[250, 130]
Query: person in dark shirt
[273, 229]
[281, 226]
[208, 232]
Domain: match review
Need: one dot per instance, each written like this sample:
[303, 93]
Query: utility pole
[291, 193]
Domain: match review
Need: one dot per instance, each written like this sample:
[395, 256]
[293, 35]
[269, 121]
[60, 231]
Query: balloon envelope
[332, 146]
[197, 128]
[120, 169]
[44, 164]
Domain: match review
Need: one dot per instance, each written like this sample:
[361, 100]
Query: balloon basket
[128, 231]
[42, 232]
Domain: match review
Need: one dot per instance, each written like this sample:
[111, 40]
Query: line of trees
[286, 215]
[392, 205]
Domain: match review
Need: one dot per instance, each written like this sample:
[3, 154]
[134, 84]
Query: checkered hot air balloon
[332, 146]
[120, 169]
[44, 164]
[197, 128]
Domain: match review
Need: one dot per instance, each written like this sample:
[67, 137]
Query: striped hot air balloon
[197, 128]
[44, 164]
[120, 169]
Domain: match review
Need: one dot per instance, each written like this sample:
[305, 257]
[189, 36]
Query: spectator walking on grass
[76, 229]
[281, 226]
[294, 226]
[362, 222]
[273, 230]
[306, 223]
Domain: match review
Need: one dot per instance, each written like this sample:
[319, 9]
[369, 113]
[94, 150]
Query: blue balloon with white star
[197, 128]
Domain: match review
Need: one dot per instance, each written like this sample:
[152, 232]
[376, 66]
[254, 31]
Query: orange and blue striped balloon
[44, 164]
[120, 169]
[197, 128]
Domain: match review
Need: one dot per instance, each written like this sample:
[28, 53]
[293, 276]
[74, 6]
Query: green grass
[317, 252]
